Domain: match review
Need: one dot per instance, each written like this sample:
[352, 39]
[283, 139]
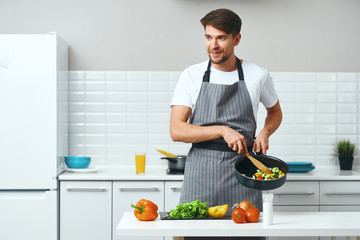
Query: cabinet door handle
[295, 193]
[136, 189]
[176, 189]
[342, 193]
[86, 189]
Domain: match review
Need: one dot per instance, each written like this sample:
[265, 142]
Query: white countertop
[158, 173]
[284, 224]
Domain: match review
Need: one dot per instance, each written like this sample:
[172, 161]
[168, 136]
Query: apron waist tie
[218, 146]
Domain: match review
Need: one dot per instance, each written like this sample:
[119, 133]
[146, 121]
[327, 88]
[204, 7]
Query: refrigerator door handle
[86, 189]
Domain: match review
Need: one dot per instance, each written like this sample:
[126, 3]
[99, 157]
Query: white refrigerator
[33, 133]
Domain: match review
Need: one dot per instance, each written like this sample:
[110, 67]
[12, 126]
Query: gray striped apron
[210, 166]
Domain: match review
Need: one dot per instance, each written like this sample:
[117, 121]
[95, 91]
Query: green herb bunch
[194, 209]
[344, 148]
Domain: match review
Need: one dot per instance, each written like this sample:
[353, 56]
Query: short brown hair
[224, 20]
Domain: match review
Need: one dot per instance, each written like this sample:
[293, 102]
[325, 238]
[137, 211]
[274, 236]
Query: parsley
[194, 209]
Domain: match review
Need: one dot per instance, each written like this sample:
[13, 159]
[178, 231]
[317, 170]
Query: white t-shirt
[257, 79]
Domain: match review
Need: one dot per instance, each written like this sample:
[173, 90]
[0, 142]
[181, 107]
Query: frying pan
[244, 166]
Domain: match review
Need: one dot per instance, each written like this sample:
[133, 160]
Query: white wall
[166, 35]
[114, 114]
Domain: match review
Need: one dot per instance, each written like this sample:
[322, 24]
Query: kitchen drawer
[297, 193]
[126, 193]
[296, 208]
[353, 208]
[340, 193]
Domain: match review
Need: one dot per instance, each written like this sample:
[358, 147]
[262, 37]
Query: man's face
[219, 45]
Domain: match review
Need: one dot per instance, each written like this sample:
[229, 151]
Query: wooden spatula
[166, 153]
[258, 164]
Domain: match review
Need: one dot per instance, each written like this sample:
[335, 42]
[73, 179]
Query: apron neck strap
[206, 77]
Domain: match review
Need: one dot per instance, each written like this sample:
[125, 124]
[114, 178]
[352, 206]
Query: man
[220, 98]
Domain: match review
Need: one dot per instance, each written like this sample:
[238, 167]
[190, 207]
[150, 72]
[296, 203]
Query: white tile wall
[113, 114]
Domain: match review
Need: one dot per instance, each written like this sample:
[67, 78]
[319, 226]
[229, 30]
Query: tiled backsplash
[114, 114]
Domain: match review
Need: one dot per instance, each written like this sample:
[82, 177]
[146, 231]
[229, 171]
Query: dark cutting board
[164, 214]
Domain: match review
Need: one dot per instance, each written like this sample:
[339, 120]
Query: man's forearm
[272, 121]
[189, 133]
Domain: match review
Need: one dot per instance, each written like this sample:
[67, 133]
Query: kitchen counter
[158, 173]
[285, 224]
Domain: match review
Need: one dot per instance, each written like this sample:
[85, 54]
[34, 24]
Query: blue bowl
[77, 162]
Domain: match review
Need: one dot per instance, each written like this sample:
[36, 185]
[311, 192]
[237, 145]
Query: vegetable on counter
[145, 210]
[238, 215]
[218, 211]
[247, 213]
[275, 173]
[195, 209]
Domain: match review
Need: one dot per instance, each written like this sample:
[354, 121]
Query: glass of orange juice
[140, 162]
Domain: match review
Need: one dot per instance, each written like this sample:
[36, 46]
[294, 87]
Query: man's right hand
[235, 140]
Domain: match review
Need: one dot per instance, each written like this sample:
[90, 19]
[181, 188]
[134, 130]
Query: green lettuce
[195, 209]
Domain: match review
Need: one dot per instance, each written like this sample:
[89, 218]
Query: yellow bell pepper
[218, 211]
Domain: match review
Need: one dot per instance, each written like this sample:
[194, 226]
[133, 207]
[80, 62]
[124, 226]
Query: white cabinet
[126, 193]
[339, 196]
[85, 210]
[296, 196]
[172, 194]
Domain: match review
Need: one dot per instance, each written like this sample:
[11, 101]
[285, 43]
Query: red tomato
[252, 215]
[238, 215]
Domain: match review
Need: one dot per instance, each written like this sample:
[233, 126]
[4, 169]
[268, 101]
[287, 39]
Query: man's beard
[221, 60]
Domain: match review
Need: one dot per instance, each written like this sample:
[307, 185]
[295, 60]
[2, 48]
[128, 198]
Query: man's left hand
[261, 143]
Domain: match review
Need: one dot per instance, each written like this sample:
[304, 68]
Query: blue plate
[300, 167]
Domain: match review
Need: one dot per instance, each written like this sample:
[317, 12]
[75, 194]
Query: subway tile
[286, 76]
[325, 139]
[95, 117]
[347, 87]
[95, 75]
[95, 127]
[116, 86]
[76, 75]
[326, 108]
[326, 118]
[284, 139]
[347, 97]
[159, 128]
[286, 97]
[305, 108]
[95, 107]
[76, 138]
[116, 107]
[97, 150]
[137, 118]
[305, 128]
[116, 96]
[326, 77]
[325, 150]
[116, 139]
[159, 118]
[116, 128]
[75, 107]
[95, 139]
[347, 118]
[159, 76]
[174, 76]
[76, 117]
[347, 77]
[326, 128]
[116, 149]
[305, 87]
[138, 97]
[116, 75]
[325, 87]
[305, 150]
[159, 107]
[95, 97]
[136, 139]
[346, 129]
[137, 75]
[95, 86]
[115, 117]
[305, 76]
[77, 150]
[285, 107]
[305, 139]
[135, 128]
[158, 97]
[350, 137]
[76, 85]
[326, 97]
[159, 86]
[285, 87]
[286, 129]
[137, 86]
[137, 107]
[76, 128]
[77, 96]
[305, 158]
[346, 108]
[305, 118]
[158, 138]
[305, 97]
